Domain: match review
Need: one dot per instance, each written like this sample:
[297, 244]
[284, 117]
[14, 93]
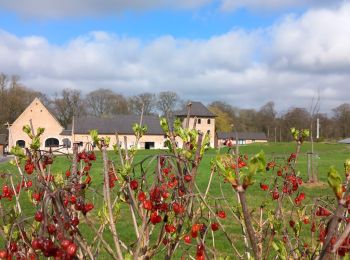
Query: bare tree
[266, 118]
[145, 100]
[67, 104]
[105, 102]
[295, 117]
[167, 102]
[342, 119]
[14, 98]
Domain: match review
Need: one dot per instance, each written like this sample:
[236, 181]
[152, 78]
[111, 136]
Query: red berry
[187, 239]
[178, 208]
[36, 196]
[29, 167]
[36, 243]
[155, 218]
[29, 184]
[88, 207]
[214, 226]
[65, 243]
[39, 216]
[71, 249]
[141, 196]
[221, 214]
[3, 254]
[170, 228]
[13, 247]
[264, 187]
[134, 184]
[275, 195]
[188, 178]
[147, 204]
[51, 228]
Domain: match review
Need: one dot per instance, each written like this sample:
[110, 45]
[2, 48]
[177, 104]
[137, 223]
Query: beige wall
[131, 139]
[40, 117]
[204, 124]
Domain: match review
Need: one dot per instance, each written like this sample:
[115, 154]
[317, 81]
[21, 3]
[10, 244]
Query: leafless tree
[167, 102]
[67, 104]
[105, 102]
[145, 100]
[266, 118]
[342, 119]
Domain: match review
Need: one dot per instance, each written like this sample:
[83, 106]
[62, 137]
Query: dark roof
[67, 131]
[242, 135]
[3, 139]
[121, 123]
[197, 109]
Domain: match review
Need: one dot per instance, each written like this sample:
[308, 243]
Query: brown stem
[248, 223]
[332, 228]
[107, 199]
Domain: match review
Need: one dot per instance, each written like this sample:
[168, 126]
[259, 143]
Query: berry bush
[168, 215]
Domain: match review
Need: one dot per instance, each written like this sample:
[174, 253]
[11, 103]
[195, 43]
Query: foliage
[169, 216]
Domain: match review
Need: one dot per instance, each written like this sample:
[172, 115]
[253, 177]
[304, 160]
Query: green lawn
[329, 154]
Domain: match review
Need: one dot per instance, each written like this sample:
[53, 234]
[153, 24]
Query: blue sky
[190, 24]
[243, 52]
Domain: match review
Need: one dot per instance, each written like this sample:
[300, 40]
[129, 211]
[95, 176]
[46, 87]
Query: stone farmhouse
[55, 135]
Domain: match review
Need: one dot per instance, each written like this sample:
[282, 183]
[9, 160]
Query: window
[52, 142]
[199, 121]
[21, 143]
[208, 131]
[67, 143]
[208, 121]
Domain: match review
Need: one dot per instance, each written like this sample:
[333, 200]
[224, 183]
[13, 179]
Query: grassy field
[328, 154]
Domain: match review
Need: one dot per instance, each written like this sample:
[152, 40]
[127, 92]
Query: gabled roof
[120, 123]
[37, 100]
[197, 109]
[3, 139]
[345, 141]
[242, 135]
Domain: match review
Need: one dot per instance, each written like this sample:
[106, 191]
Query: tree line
[15, 97]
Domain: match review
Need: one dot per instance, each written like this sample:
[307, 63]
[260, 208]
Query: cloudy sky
[244, 52]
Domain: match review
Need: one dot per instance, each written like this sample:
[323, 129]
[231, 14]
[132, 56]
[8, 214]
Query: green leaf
[18, 152]
[347, 166]
[335, 181]
[40, 131]
[35, 145]
[257, 163]
[27, 129]
[164, 125]
[94, 135]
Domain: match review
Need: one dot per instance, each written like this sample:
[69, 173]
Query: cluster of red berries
[322, 212]
[112, 178]
[8, 192]
[29, 167]
[299, 198]
[65, 250]
[242, 162]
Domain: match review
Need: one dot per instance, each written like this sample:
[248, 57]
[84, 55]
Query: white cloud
[287, 62]
[318, 41]
[72, 8]
[66, 8]
[266, 5]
